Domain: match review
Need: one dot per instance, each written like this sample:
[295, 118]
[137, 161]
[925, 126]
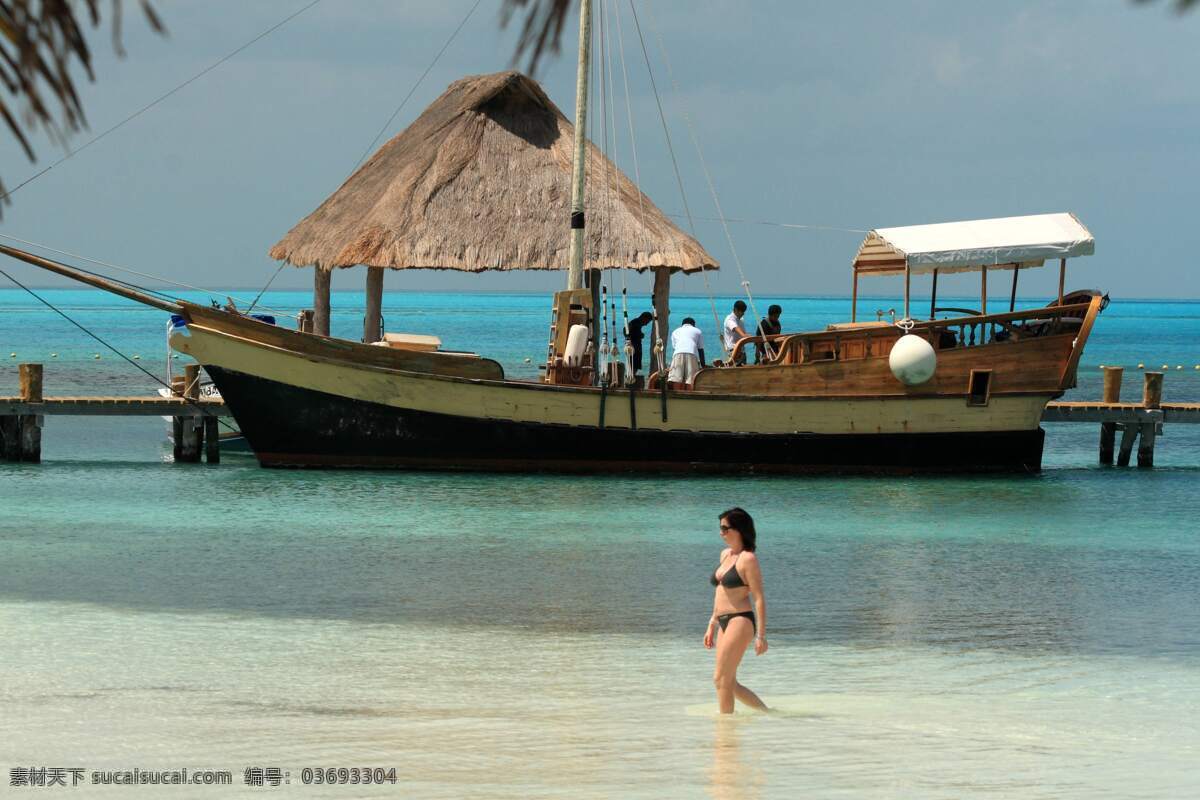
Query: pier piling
[189, 430]
[22, 433]
[1108, 430]
[194, 419]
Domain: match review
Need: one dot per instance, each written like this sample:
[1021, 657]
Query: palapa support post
[321, 283]
[373, 318]
[662, 303]
[1062, 278]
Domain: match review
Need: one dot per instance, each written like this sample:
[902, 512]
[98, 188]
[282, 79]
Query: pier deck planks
[113, 407]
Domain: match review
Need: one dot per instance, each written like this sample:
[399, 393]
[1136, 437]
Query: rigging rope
[675, 166]
[657, 346]
[81, 327]
[415, 86]
[704, 166]
[158, 100]
[776, 224]
[167, 281]
[263, 290]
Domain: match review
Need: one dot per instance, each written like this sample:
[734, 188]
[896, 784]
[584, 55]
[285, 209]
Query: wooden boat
[826, 400]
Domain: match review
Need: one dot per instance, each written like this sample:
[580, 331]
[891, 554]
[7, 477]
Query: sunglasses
[725, 527]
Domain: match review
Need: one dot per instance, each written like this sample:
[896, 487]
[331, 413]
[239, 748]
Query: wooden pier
[194, 420]
[1140, 423]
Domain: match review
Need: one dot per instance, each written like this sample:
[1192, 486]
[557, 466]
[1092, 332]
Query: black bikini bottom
[723, 619]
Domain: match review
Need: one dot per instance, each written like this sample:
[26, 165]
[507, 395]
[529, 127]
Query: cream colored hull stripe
[694, 412]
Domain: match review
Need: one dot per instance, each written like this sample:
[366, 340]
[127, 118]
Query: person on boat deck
[733, 330]
[736, 578]
[768, 327]
[636, 335]
[687, 344]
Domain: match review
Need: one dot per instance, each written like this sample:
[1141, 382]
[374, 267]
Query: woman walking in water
[736, 578]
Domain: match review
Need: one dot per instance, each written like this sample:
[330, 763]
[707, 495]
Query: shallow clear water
[515, 636]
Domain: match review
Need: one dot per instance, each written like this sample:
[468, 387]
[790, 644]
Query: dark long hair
[743, 523]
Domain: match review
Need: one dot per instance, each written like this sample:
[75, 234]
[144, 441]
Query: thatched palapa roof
[482, 180]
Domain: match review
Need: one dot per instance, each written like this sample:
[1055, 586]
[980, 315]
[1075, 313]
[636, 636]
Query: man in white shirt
[734, 331]
[687, 344]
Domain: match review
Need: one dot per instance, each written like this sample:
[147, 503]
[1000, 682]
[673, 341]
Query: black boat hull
[291, 426]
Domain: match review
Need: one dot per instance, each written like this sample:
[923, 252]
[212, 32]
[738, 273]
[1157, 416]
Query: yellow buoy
[1141, 365]
[1166, 366]
[54, 355]
[137, 358]
[12, 355]
[1179, 366]
[1101, 366]
[95, 355]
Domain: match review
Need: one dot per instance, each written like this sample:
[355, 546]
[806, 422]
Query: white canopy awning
[1005, 243]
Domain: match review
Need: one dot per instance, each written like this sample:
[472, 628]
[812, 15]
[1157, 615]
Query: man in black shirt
[636, 335]
[768, 327]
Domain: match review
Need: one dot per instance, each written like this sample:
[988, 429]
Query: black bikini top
[731, 579]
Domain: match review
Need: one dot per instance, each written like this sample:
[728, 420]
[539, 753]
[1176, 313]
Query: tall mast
[575, 275]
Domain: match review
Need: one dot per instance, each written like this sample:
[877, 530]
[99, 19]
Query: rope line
[158, 100]
[775, 224]
[415, 86]
[81, 327]
[657, 347]
[675, 166]
[109, 265]
[707, 174]
[268, 286]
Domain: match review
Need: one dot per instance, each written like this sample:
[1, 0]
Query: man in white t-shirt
[733, 330]
[687, 346]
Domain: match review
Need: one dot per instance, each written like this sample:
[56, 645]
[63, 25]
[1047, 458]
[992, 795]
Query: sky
[843, 116]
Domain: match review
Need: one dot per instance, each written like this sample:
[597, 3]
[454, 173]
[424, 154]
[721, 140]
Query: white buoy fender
[577, 339]
[912, 360]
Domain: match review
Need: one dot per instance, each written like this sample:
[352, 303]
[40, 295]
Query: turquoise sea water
[517, 636]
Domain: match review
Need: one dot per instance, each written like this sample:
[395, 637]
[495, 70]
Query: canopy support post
[854, 297]
[575, 275]
[983, 290]
[1012, 301]
[933, 297]
[321, 282]
[373, 318]
[1062, 278]
[662, 303]
[907, 285]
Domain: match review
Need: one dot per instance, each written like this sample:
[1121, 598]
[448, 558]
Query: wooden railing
[967, 331]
